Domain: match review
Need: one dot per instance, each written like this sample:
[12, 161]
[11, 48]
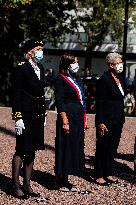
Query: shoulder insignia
[21, 63]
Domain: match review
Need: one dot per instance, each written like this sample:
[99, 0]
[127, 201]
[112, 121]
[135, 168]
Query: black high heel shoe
[30, 193]
[21, 197]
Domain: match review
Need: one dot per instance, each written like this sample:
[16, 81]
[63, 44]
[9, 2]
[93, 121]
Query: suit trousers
[106, 150]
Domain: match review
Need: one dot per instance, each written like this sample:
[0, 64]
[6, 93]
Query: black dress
[29, 105]
[69, 148]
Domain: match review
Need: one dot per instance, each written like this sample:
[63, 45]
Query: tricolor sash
[80, 94]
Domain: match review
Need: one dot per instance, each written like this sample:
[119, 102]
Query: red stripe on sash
[72, 84]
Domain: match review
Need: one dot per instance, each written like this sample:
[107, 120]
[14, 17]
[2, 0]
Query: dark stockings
[27, 159]
[28, 167]
[16, 166]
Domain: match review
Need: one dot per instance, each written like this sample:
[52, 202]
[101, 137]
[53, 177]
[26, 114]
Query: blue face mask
[38, 55]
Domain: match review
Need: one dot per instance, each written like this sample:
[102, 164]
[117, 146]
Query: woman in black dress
[28, 111]
[71, 121]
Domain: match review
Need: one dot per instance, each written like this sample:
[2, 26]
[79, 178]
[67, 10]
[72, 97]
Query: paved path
[123, 193]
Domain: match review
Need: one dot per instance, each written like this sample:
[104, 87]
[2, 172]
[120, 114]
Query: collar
[35, 66]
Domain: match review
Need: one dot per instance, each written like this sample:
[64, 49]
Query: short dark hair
[65, 62]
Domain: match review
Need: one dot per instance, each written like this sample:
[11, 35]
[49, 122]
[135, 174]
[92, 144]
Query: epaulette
[21, 63]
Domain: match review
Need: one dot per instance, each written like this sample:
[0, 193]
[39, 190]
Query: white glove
[19, 126]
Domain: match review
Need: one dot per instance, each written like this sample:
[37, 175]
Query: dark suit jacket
[27, 91]
[109, 101]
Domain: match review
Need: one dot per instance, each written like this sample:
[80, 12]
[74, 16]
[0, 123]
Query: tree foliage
[49, 20]
[101, 18]
[104, 18]
[20, 19]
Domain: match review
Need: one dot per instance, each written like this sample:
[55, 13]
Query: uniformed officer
[28, 111]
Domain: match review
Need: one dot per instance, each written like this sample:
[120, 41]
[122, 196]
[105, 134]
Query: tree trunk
[88, 58]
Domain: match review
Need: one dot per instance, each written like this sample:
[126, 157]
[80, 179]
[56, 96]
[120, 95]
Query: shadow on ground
[5, 184]
[127, 157]
[120, 170]
[7, 131]
[45, 179]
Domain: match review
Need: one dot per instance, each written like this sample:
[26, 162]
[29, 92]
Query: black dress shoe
[63, 183]
[68, 189]
[111, 181]
[32, 194]
[22, 197]
[68, 184]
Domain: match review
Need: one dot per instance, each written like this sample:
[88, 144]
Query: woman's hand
[65, 127]
[102, 129]
[65, 122]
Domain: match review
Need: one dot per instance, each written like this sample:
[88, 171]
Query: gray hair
[110, 58]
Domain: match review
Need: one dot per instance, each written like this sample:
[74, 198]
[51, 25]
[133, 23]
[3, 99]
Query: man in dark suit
[28, 111]
[109, 118]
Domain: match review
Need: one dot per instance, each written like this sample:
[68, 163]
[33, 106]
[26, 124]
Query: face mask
[74, 67]
[38, 55]
[119, 68]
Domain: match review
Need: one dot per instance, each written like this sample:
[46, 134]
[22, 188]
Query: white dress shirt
[36, 69]
[121, 89]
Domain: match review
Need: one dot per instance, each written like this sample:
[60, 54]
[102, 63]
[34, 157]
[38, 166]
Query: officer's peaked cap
[30, 44]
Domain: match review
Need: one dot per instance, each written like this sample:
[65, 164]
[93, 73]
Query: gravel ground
[123, 193]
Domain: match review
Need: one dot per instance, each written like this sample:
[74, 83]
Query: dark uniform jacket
[28, 91]
[109, 101]
[29, 104]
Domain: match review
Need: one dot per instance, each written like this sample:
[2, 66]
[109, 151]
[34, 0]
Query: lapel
[33, 74]
[42, 76]
[114, 85]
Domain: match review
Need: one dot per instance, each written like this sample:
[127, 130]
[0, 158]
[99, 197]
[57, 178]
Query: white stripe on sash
[79, 91]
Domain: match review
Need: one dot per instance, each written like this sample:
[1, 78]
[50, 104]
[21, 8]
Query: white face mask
[119, 68]
[38, 55]
[74, 67]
